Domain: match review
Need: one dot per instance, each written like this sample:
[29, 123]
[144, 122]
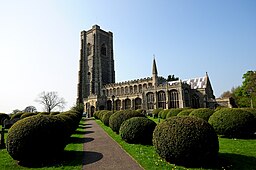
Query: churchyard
[229, 144]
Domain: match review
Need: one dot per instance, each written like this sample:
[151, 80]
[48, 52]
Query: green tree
[245, 95]
[172, 78]
[30, 109]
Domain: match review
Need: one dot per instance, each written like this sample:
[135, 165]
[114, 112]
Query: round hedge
[119, 117]
[105, 117]
[233, 123]
[185, 112]
[203, 113]
[3, 116]
[137, 130]
[163, 113]
[54, 113]
[102, 113]
[174, 112]
[27, 114]
[96, 114]
[156, 112]
[187, 141]
[36, 139]
[17, 115]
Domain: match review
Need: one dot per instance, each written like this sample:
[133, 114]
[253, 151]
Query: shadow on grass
[68, 158]
[235, 161]
[79, 132]
[80, 140]
[88, 132]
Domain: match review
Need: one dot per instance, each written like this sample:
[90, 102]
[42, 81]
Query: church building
[98, 90]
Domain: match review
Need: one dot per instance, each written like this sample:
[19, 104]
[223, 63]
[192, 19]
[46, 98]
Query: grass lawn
[72, 159]
[234, 154]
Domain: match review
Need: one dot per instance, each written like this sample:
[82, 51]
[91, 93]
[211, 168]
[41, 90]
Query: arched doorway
[92, 110]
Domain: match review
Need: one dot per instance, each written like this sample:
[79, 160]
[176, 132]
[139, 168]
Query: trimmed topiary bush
[203, 113]
[96, 114]
[36, 139]
[16, 115]
[106, 116]
[163, 113]
[185, 112]
[119, 117]
[233, 123]
[27, 114]
[44, 113]
[156, 112]
[137, 130]
[174, 112]
[187, 141]
[54, 113]
[3, 116]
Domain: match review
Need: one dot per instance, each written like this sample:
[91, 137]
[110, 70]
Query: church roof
[197, 83]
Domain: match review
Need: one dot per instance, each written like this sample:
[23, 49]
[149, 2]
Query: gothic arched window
[118, 104]
[127, 104]
[103, 49]
[161, 99]
[195, 101]
[150, 100]
[138, 103]
[186, 97]
[173, 99]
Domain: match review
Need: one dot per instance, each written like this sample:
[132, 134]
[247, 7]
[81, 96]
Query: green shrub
[185, 112]
[102, 113]
[119, 117]
[140, 111]
[106, 116]
[54, 113]
[187, 141]
[44, 113]
[16, 115]
[27, 114]
[96, 114]
[251, 110]
[137, 130]
[164, 113]
[174, 112]
[71, 119]
[36, 139]
[233, 123]
[3, 116]
[156, 112]
[219, 107]
[203, 113]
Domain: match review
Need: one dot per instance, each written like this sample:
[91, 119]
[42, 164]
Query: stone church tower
[96, 67]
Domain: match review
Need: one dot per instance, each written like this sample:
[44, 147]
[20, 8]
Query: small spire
[206, 74]
[154, 69]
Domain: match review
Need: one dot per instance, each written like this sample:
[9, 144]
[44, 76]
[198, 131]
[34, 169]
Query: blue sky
[39, 43]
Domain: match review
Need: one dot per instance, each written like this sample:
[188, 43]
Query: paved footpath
[102, 152]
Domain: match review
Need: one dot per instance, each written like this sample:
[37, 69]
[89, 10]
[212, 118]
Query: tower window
[103, 49]
[89, 49]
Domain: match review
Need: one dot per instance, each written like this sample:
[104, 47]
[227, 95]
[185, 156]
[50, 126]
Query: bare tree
[50, 100]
